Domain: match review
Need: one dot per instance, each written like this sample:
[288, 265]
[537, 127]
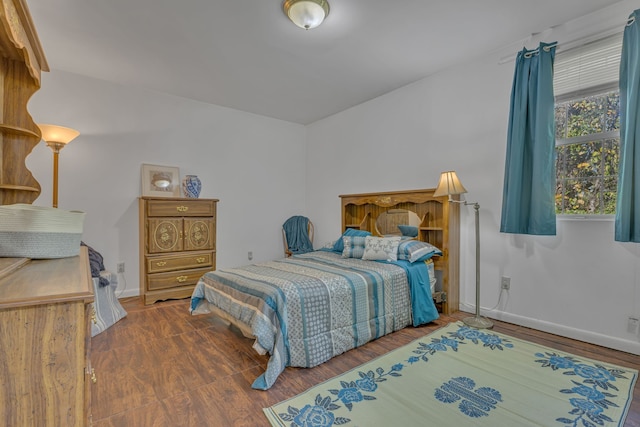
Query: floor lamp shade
[56, 138]
[450, 185]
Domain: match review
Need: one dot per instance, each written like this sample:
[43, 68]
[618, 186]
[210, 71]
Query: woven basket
[28, 231]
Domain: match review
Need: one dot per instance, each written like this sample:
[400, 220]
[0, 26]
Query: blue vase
[191, 185]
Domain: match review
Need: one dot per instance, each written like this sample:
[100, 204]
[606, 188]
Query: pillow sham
[353, 246]
[408, 230]
[381, 248]
[339, 245]
[416, 250]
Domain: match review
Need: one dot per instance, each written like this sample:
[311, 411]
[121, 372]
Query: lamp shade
[449, 185]
[57, 137]
[60, 134]
[306, 14]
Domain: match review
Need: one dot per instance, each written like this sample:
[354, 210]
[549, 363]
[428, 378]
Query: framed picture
[160, 181]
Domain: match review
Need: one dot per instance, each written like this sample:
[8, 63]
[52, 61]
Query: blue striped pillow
[353, 246]
[416, 250]
[339, 245]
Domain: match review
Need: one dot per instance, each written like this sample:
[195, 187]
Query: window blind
[593, 65]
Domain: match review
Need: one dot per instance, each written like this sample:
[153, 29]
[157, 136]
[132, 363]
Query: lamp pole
[477, 321]
[55, 147]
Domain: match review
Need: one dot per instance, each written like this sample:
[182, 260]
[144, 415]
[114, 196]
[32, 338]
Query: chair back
[297, 235]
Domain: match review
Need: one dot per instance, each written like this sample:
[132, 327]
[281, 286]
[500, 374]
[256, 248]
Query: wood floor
[160, 366]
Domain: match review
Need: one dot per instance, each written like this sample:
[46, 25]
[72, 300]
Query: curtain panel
[528, 204]
[627, 225]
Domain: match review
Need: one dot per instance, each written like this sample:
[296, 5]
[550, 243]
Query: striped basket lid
[22, 217]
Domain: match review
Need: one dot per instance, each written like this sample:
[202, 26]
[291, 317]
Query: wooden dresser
[177, 245]
[45, 341]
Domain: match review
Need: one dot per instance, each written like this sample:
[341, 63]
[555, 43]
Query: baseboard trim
[565, 331]
[128, 293]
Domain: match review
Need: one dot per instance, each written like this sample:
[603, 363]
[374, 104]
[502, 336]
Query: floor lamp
[450, 185]
[56, 138]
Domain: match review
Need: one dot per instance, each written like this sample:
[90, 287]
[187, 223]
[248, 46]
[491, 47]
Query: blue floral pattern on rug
[474, 403]
[592, 388]
[321, 414]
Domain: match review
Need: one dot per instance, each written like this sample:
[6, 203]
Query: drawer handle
[94, 316]
[200, 260]
[161, 263]
[182, 279]
[92, 375]
[182, 208]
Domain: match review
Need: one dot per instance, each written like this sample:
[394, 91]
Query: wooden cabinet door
[199, 233]
[89, 374]
[165, 235]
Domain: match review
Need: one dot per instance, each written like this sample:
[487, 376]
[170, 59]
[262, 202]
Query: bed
[306, 309]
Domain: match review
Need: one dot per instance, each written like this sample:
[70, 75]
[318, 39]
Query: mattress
[308, 308]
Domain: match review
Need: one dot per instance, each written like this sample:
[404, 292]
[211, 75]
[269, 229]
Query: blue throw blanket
[296, 230]
[96, 264]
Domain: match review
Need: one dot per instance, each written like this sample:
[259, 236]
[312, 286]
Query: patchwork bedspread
[308, 308]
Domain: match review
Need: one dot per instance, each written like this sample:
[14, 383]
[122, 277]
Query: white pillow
[381, 248]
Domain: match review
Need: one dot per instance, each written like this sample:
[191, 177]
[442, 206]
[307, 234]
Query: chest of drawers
[177, 245]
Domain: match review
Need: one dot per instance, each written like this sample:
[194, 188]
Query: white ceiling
[246, 55]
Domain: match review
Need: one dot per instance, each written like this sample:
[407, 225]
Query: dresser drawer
[183, 261]
[174, 279]
[181, 208]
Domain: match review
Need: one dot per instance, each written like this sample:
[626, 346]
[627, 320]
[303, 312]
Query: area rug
[459, 376]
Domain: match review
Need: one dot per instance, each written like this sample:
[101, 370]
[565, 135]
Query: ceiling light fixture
[306, 14]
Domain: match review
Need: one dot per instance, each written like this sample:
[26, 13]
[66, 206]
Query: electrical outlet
[632, 325]
[121, 267]
[505, 283]
[250, 255]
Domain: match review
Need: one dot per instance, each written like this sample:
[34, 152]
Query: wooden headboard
[438, 222]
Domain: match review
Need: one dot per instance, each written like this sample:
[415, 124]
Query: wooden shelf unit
[177, 245]
[22, 61]
[439, 225]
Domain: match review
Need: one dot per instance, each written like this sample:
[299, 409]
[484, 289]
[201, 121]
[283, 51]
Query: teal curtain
[528, 205]
[627, 227]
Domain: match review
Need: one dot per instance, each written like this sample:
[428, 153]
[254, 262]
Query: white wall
[579, 283]
[254, 165]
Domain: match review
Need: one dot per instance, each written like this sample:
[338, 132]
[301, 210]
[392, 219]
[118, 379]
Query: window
[587, 117]
[587, 154]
